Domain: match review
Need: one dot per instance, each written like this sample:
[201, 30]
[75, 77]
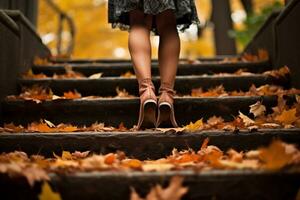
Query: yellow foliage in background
[96, 39]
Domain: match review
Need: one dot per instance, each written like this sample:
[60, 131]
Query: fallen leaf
[174, 191]
[48, 194]
[72, 95]
[257, 109]
[287, 117]
[247, 121]
[95, 76]
[157, 167]
[276, 155]
[198, 125]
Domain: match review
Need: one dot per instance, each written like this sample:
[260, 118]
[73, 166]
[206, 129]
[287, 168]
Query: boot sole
[149, 114]
[165, 116]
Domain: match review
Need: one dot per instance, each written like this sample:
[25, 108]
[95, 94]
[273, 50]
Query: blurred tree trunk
[28, 7]
[221, 17]
[248, 6]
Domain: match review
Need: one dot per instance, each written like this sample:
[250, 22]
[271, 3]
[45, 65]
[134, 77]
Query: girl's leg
[140, 50]
[139, 43]
[168, 56]
[169, 46]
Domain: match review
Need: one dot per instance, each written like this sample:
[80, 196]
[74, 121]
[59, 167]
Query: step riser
[226, 185]
[121, 68]
[113, 112]
[152, 145]
[183, 85]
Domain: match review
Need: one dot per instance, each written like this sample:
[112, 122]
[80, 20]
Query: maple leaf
[122, 93]
[174, 191]
[287, 117]
[48, 194]
[198, 125]
[277, 73]
[72, 95]
[277, 155]
[110, 158]
[247, 121]
[214, 121]
[40, 127]
[257, 109]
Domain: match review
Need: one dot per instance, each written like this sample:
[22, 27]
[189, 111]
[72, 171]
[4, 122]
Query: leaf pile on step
[38, 94]
[46, 126]
[261, 56]
[276, 156]
[283, 116]
[70, 74]
[264, 90]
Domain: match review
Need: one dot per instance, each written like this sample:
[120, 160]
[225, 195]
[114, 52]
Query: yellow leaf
[198, 125]
[287, 117]
[48, 194]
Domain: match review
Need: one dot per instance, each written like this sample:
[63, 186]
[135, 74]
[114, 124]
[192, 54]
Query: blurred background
[84, 22]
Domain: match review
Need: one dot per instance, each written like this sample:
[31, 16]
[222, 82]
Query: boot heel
[166, 117]
[148, 115]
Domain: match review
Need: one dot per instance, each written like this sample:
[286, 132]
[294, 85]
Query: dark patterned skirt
[185, 11]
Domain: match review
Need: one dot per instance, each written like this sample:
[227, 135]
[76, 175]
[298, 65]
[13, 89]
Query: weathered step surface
[113, 111]
[116, 69]
[213, 184]
[107, 60]
[106, 86]
[141, 145]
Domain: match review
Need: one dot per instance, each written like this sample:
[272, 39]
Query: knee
[166, 24]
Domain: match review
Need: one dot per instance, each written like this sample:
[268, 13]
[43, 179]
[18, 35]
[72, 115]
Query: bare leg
[139, 43]
[168, 56]
[169, 46]
[140, 50]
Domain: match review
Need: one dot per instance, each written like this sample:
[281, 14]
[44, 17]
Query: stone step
[106, 86]
[226, 184]
[116, 69]
[107, 60]
[142, 144]
[113, 111]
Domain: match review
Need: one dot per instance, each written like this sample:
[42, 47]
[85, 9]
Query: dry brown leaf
[157, 167]
[287, 117]
[276, 155]
[95, 76]
[257, 109]
[122, 93]
[72, 95]
[174, 191]
[246, 120]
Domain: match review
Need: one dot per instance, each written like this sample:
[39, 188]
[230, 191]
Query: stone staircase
[149, 144]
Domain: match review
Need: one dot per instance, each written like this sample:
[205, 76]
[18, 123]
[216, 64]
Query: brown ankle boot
[148, 104]
[166, 115]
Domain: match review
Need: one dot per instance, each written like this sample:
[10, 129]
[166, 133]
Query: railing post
[221, 18]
